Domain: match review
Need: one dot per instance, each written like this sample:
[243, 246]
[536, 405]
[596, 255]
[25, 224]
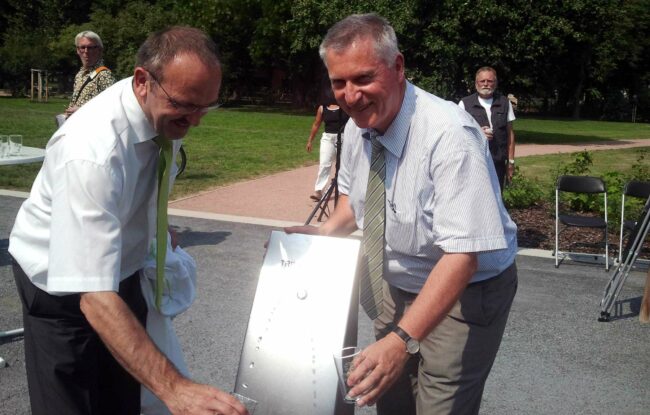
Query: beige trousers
[456, 357]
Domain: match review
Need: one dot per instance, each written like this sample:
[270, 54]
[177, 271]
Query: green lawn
[230, 144]
[539, 131]
[241, 143]
[543, 169]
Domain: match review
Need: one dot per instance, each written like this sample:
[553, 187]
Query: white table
[27, 155]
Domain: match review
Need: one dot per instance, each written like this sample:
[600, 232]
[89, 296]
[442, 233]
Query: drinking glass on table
[15, 144]
[4, 146]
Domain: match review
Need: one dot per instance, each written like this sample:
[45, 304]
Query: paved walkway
[283, 198]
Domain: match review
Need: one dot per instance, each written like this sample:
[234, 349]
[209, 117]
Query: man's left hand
[378, 367]
[511, 172]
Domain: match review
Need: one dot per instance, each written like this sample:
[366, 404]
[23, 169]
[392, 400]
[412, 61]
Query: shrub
[521, 192]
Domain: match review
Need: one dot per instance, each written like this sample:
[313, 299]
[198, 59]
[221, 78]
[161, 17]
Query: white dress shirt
[442, 194]
[90, 216]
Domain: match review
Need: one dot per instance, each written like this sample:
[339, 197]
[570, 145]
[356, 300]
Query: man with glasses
[93, 77]
[81, 237]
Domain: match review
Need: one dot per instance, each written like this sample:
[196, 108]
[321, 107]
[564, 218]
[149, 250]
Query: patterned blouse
[103, 80]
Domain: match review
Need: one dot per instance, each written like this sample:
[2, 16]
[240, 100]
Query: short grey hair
[361, 26]
[88, 34]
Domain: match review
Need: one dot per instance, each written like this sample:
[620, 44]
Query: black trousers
[69, 370]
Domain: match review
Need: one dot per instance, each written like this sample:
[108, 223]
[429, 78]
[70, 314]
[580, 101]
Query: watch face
[413, 346]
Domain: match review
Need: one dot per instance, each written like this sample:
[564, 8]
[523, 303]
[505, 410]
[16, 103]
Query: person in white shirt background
[493, 111]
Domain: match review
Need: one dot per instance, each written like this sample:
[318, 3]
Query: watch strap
[402, 334]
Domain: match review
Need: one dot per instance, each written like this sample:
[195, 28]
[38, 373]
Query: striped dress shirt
[442, 194]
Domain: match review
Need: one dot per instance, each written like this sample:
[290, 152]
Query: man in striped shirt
[449, 272]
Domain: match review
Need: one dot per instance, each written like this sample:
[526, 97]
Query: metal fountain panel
[300, 315]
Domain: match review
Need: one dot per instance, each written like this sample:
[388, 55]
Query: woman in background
[335, 119]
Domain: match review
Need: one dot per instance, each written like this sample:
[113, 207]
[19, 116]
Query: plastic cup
[4, 146]
[249, 403]
[344, 362]
[15, 144]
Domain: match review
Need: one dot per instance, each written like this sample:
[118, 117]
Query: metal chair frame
[579, 185]
[637, 189]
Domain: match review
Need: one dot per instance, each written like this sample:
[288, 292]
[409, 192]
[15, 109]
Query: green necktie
[164, 163]
[374, 220]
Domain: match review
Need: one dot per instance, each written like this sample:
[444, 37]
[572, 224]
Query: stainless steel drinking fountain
[305, 308]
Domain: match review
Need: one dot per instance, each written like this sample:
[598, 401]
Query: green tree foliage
[566, 57]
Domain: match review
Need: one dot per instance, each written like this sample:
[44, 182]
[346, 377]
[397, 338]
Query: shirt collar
[394, 138]
[134, 113]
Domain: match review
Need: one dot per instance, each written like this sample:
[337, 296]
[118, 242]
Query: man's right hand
[132, 347]
[189, 398]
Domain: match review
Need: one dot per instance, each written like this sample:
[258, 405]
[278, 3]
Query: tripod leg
[322, 203]
[325, 207]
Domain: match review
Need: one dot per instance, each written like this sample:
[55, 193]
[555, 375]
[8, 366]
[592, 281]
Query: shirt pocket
[408, 227]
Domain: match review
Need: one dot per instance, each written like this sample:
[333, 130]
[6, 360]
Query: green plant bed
[535, 178]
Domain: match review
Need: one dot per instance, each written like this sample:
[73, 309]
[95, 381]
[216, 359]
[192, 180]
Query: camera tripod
[323, 203]
[631, 253]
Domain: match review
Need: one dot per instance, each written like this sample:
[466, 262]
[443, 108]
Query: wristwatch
[511, 161]
[412, 345]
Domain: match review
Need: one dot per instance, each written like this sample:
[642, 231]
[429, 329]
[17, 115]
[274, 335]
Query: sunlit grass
[234, 144]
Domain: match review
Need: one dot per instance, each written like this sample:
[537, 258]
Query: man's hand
[304, 229]
[129, 343]
[70, 110]
[511, 172]
[193, 398]
[377, 368]
[309, 146]
[488, 132]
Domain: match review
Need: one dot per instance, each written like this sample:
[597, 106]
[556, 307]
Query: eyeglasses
[88, 48]
[185, 109]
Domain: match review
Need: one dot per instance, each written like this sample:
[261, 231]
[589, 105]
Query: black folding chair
[637, 189]
[570, 218]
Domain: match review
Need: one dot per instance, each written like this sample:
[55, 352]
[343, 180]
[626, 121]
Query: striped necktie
[372, 264]
[164, 164]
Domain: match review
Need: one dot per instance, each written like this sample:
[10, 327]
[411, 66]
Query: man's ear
[140, 78]
[399, 66]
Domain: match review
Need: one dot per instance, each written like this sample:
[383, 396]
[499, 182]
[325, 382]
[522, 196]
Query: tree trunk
[580, 85]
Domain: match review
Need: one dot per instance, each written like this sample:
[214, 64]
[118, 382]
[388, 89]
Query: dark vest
[499, 109]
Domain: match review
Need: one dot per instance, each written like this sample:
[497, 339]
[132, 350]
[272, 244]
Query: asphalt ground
[556, 358]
